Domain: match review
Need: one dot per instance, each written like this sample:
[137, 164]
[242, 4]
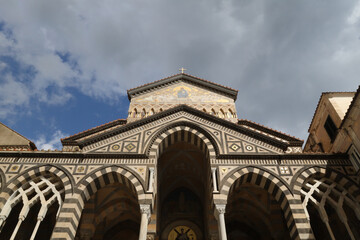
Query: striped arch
[32, 173]
[294, 213]
[180, 132]
[70, 214]
[108, 175]
[331, 174]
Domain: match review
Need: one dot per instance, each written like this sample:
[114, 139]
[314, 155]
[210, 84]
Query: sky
[65, 65]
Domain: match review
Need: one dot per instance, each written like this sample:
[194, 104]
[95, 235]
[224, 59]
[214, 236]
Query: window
[134, 113]
[230, 114]
[151, 112]
[330, 128]
[143, 113]
[221, 113]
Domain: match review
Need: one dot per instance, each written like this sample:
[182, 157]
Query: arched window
[161, 110]
[151, 112]
[38, 202]
[134, 113]
[143, 113]
[327, 204]
[204, 110]
[213, 112]
[230, 114]
[221, 113]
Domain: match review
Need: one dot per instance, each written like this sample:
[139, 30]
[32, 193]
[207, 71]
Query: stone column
[213, 170]
[324, 217]
[145, 217]
[343, 218]
[151, 179]
[220, 212]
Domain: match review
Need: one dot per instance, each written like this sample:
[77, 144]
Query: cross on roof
[182, 70]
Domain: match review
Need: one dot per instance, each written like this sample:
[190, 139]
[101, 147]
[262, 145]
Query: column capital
[220, 208]
[150, 237]
[145, 209]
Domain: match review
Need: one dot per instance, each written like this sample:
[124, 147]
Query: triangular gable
[11, 140]
[135, 137]
[185, 78]
[180, 92]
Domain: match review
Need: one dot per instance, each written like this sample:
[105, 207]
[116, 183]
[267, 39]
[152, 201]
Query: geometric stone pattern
[281, 176]
[126, 152]
[226, 141]
[236, 145]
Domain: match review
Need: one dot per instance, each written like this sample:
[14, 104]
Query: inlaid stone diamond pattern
[130, 147]
[14, 168]
[235, 147]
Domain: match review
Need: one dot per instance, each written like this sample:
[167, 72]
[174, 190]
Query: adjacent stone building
[183, 166]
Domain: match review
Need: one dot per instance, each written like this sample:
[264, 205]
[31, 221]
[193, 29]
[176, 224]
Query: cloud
[355, 15]
[12, 93]
[42, 142]
[280, 56]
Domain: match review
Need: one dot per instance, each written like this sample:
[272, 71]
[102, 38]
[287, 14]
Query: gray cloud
[280, 55]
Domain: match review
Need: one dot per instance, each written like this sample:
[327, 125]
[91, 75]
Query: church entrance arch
[111, 209]
[258, 207]
[183, 195]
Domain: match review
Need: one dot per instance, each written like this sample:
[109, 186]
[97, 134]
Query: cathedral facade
[182, 166]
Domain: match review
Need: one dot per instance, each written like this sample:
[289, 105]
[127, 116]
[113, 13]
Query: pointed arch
[101, 177]
[33, 173]
[351, 187]
[204, 137]
[298, 224]
[152, 112]
[71, 211]
[44, 186]
[331, 202]
[196, 180]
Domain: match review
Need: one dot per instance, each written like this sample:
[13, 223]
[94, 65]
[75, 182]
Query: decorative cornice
[94, 130]
[298, 156]
[40, 154]
[81, 155]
